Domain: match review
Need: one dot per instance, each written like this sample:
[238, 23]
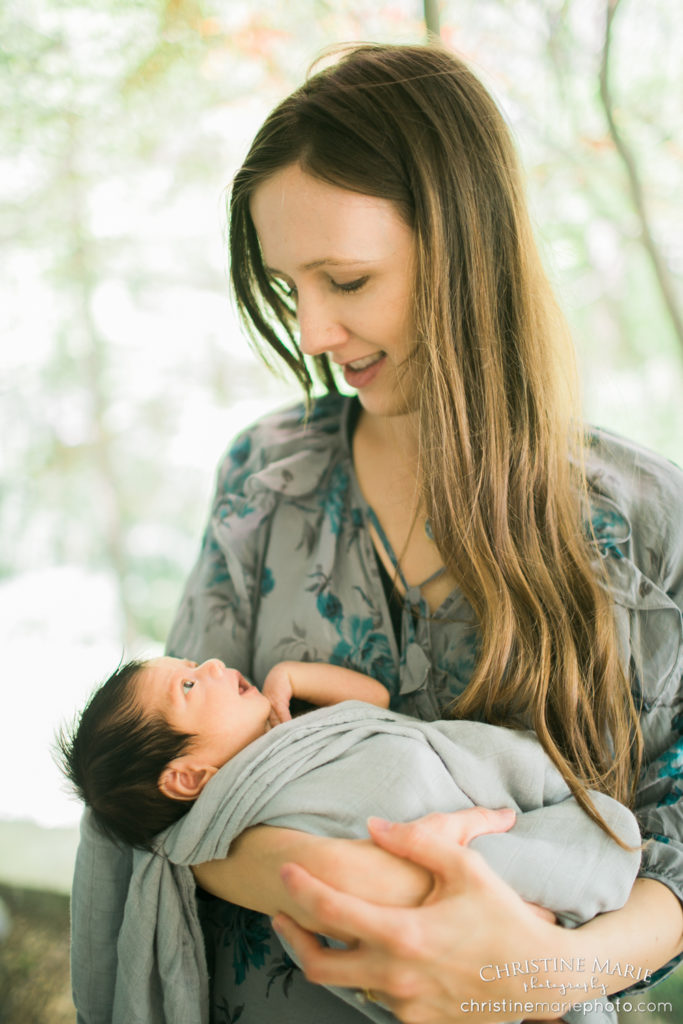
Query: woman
[448, 530]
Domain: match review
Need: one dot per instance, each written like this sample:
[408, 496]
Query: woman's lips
[360, 378]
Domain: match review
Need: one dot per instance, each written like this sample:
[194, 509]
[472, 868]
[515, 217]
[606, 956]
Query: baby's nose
[213, 665]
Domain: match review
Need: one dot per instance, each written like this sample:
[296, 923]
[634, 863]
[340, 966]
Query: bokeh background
[123, 373]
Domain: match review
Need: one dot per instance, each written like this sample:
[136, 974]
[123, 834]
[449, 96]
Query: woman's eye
[350, 286]
[187, 685]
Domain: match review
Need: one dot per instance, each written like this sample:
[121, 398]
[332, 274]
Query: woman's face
[349, 261]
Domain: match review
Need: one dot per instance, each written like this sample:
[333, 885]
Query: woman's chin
[386, 405]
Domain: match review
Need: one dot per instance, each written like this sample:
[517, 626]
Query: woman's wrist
[565, 970]
[627, 946]
[560, 976]
[535, 979]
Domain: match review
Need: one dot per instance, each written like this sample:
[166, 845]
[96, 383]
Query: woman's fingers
[542, 912]
[335, 913]
[432, 841]
[304, 943]
[417, 959]
[357, 967]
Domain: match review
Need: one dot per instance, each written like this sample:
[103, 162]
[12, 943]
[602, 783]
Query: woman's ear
[183, 781]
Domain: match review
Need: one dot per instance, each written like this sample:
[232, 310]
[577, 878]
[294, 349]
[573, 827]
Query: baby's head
[152, 736]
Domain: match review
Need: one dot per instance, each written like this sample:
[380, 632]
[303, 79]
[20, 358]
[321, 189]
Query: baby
[156, 731]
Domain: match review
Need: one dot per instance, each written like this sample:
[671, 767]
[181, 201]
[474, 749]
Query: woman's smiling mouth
[361, 372]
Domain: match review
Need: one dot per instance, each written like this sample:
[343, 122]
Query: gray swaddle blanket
[137, 950]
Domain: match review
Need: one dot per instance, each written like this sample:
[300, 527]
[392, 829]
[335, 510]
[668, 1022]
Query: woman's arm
[646, 933]
[251, 875]
[474, 951]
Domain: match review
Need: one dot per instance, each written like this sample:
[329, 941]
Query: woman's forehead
[308, 222]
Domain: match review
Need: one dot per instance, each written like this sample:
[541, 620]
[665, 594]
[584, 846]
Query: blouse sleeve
[218, 605]
[660, 793]
[659, 802]
[637, 513]
[281, 457]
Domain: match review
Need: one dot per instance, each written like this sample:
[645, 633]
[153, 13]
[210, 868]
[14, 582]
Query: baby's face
[214, 703]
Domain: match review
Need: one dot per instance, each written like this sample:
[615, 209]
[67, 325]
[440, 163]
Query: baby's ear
[181, 781]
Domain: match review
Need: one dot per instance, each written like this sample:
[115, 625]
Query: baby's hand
[278, 689]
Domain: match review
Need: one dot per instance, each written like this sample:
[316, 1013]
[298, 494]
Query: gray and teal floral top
[287, 570]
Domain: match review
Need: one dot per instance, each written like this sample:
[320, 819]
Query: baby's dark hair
[114, 755]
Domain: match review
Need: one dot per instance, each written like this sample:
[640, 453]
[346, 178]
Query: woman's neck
[393, 437]
[386, 461]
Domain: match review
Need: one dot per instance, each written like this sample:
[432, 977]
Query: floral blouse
[287, 570]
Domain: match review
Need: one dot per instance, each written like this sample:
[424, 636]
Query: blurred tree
[628, 158]
[432, 19]
[104, 146]
[121, 122]
[543, 60]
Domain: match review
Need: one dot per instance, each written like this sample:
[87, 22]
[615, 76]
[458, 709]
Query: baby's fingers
[278, 715]
[282, 710]
[279, 706]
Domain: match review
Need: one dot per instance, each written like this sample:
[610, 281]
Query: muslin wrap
[137, 949]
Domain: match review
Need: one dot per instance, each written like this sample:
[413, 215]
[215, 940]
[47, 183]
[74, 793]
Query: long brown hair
[500, 447]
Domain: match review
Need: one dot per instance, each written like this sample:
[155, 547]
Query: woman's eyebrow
[327, 261]
[332, 262]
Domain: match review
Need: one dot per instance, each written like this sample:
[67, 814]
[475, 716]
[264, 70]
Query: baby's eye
[187, 685]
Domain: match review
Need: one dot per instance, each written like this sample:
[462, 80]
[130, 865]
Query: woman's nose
[319, 329]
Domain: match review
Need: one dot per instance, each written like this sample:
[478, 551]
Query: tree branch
[659, 266]
[431, 20]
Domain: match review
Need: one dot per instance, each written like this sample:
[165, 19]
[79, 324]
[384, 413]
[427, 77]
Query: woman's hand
[459, 946]
[446, 961]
